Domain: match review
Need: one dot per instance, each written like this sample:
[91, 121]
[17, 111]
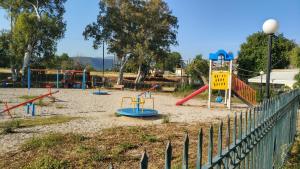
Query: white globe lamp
[270, 26]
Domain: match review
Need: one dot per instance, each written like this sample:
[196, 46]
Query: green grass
[149, 138]
[9, 126]
[47, 162]
[166, 119]
[39, 121]
[27, 97]
[123, 147]
[60, 106]
[47, 141]
[51, 140]
[41, 103]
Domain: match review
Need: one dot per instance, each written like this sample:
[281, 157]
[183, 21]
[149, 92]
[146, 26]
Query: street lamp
[261, 92]
[103, 64]
[270, 26]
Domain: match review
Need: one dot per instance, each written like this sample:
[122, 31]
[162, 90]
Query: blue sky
[204, 25]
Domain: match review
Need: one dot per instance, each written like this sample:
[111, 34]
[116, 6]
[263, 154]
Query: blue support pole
[33, 109]
[28, 80]
[137, 103]
[83, 80]
[27, 108]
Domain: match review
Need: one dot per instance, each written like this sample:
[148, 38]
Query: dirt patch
[122, 146]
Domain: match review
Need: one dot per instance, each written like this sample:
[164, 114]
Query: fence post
[220, 140]
[210, 145]
[144, 161]
[185, 158]
[199, 152]
[168, 156]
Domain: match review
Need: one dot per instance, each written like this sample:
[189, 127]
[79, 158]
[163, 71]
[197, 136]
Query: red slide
[202, 89]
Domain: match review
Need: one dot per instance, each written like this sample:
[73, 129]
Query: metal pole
[57, 78]
[261, 92]
[269, 66]
[103, 63]
[83, 80]
[209, 83]
[28, 79]
[230, 86]
[181, 72]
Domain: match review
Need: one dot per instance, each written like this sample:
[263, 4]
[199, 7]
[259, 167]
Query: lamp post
[181, 66]
[270, 27]
[103, 64]
[261, 92]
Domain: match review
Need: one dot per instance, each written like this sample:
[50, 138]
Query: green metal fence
[259, 138]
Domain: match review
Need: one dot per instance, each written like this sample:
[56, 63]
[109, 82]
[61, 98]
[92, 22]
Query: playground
[149, 84]
[98, 112]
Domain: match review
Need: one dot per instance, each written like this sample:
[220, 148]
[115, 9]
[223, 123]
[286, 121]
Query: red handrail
[243, 90]
[29, 101]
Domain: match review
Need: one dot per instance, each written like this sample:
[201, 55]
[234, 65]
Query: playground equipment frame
[226, 57]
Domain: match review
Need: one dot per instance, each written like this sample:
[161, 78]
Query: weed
[176, 166]
[41, 103]
[123, 147]
[47, 161]
[117, 114]
[149, 138]
[133, 129]
[293, 160]
[9, 126]
[98, 156]
[60, 106]
[83, 149]
[166, 119]
[38, 121]
[27, 97]
[78, 138]
[47, 141]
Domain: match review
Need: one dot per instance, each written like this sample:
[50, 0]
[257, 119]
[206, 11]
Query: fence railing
[259, 138]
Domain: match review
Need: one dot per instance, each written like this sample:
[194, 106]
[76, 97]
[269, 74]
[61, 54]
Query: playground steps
[243, 91]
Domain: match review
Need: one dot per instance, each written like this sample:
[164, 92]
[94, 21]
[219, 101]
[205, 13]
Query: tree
[115, 26]
[198, 69]
[254, 52]
[4, 49]
[295, 57]
[172, 61]
[37, 25]
[157, 31]
[133, 29]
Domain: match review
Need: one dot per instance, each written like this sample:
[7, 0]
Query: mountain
[96, 63]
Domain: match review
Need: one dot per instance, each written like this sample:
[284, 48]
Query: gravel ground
[98, 112]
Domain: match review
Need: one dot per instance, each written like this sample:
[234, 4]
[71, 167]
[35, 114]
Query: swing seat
[219, 99]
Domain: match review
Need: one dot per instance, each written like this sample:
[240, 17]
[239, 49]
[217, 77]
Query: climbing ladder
[243, 91]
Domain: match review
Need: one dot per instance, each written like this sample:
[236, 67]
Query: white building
[284, 77]
[178, 72]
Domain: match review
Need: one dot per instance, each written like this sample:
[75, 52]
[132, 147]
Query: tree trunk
[121, 70]
[204, 79]
[142, 73]
[27, 57]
